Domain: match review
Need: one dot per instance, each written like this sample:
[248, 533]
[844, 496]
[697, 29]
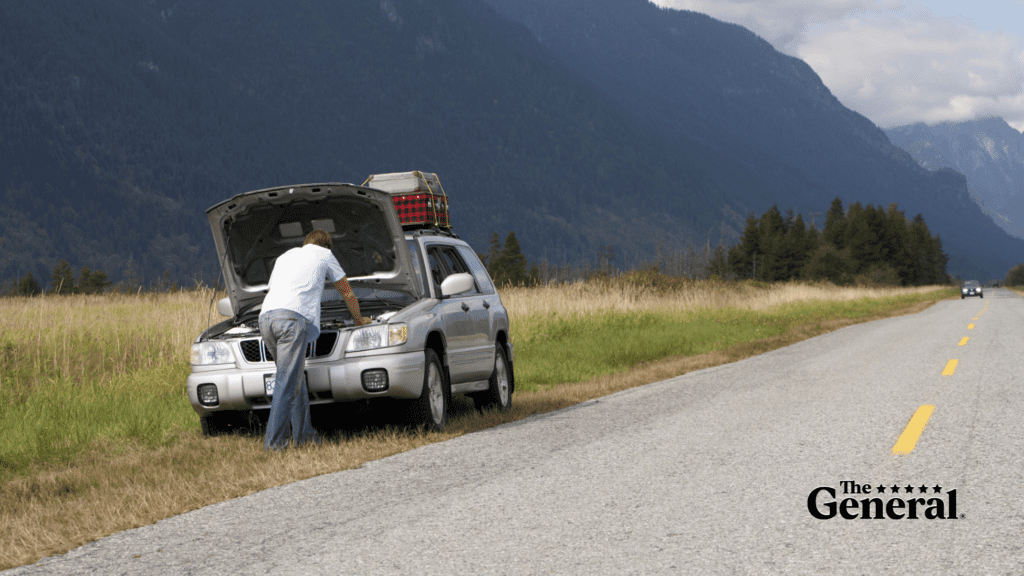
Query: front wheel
[500, 391]
[218, 423]
[431, 408]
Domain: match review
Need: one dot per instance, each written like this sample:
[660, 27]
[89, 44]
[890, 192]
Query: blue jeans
[285, 334]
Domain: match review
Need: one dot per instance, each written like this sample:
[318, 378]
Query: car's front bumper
[328, 381]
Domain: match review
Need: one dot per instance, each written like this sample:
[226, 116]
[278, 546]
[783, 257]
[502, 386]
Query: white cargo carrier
[418, 197]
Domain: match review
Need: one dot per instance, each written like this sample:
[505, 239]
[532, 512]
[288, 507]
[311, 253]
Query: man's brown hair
[320, 238]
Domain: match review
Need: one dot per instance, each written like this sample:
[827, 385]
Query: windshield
[368, 295]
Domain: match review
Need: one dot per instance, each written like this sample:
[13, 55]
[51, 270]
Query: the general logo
[859, 502]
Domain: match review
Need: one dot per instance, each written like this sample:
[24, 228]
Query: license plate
[270, 380]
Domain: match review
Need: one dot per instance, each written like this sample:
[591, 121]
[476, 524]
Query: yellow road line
[907, 441]
[970, 326]
[950, 368]
[963, 341]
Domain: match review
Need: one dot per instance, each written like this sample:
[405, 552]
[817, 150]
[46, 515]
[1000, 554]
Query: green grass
[122, 390]
[63, 418]
[558, 350]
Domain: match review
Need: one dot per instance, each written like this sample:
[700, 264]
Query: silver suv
[439, 324]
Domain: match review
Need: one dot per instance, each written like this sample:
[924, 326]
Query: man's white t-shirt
[297, 282]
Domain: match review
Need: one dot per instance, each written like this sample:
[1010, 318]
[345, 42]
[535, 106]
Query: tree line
[64, 281]
[858, 244]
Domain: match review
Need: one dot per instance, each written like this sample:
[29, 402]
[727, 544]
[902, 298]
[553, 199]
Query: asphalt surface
[707, 473]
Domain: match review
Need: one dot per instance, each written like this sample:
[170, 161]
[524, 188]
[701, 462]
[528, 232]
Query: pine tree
[62, 279]
[493, 251]
[835, 225]
[919, 244]
[28, 286]
[939, 260]
[742, 256]
[507, 266]
[772, 229]
[862, 236]
[895, 243]
[795, 249]
[90, 282]
[514, 262]
[82, 286]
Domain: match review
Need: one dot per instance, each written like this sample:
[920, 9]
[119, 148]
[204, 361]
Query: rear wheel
[431, 408]
[499, 393]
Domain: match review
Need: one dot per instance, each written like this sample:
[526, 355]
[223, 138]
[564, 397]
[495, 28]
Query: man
[289, 319]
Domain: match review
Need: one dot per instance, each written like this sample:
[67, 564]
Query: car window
[437, 271]
[445, 260]
[476, 268]
[453, 261]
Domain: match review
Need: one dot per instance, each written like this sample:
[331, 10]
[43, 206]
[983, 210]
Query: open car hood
[252, 229]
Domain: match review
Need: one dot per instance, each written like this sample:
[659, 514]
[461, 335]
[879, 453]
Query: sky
[898, 62]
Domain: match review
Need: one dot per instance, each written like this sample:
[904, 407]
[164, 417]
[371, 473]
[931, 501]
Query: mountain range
[988, 152]
[578, 125]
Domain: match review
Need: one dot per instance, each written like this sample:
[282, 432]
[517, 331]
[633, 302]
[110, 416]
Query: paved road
[707, 473]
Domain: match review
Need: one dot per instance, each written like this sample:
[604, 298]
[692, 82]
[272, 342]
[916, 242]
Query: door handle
[465, 307]
[487, 304]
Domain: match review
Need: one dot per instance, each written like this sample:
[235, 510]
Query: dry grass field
[97, 435]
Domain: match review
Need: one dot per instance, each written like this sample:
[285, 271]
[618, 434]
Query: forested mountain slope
[117, 137]
[121, 121]
[788, 140]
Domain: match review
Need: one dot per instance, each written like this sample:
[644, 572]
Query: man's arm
[345, 289]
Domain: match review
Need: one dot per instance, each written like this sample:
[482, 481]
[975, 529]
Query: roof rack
[418, 196]
[418, 230]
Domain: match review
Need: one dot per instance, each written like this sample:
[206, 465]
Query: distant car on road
[970, 288]
[439, 325]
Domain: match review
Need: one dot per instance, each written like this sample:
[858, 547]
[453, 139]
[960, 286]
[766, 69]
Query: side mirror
[224, 307]
[457, 284]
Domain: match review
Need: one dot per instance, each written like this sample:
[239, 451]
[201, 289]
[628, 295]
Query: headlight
[206, 353]
[377, 336]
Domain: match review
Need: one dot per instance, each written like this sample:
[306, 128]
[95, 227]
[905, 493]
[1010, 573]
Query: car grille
[255, 351]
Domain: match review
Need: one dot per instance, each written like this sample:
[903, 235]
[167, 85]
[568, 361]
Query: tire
[218, 423]
[499, 393]
[431, 408]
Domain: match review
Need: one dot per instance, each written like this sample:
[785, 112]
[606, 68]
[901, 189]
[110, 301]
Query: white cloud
[780, 22]
[894, 63]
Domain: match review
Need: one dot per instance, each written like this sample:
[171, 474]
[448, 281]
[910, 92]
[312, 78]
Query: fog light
[208, 394]
[375, 380]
